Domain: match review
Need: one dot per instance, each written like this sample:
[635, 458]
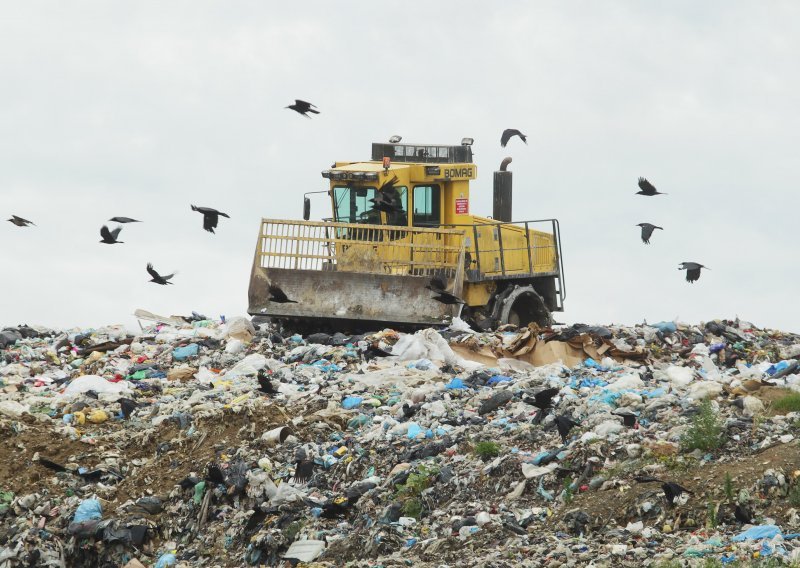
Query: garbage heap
[201, 442]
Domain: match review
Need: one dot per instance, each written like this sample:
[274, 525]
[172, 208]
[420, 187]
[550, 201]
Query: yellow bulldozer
[401, 239]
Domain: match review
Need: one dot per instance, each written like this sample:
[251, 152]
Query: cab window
[427, 206]
[353, 205]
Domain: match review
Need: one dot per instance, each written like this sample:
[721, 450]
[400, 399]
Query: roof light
[432, 170]
[326, 174]
[371, 176]
[357, 176]
[467, 141]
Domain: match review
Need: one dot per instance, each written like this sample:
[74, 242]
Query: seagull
[692, 270]
[647, 231]
[123, 220]
[508, 133]
[303, 107]
[210, 217]
[395, 139]
[20, 222]
[110, 237]
[504, 164]
[647, 188]
[157, 278]
[279, 296]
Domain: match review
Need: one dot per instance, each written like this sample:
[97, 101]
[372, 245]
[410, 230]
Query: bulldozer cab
[397, 221]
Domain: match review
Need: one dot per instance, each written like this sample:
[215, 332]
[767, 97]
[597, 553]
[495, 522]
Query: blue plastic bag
[499, 379]
[666, 326]
[167, 559]
[757, 533]
[455, 383]
[183, 353]
[414, 430]
[352, 402]
[88, 510]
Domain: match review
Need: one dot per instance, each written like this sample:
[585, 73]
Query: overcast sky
[142, 108]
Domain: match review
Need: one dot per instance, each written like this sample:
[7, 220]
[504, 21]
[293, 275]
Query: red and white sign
[462, 206]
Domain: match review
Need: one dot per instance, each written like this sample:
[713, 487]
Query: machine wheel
[520, 306]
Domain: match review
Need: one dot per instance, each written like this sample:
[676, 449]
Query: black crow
[508, 133]
[647, 188]
[20, 222]
[110, 237]
[409, 410]
[692, 270]
[123, 220]
[304, 467]
[543, 400]
[127, 406]
[437, 284]
[743, 514]
[671, 489]
[303, 107]
[372, 351]
[210, 217]
[214, 474]
[395, 139]
[157, 278]
[279, 296]
[647, 231]
[564, 424]
[264, 384]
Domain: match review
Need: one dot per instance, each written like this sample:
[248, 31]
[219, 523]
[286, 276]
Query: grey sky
[142, 108]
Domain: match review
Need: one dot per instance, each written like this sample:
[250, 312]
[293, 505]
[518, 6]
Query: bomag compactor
[401, 229]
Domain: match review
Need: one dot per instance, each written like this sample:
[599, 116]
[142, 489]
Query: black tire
[520, 306]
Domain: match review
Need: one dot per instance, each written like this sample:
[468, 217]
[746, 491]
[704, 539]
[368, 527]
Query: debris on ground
[200, 442]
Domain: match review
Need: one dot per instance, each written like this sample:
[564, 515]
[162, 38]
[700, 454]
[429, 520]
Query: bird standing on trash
[628, 418]
[672, 491]
[647, 188]
[304, 467]
[692, 271]
[647, 231]
[303, 107]
[20, 222]
[157, 278]
[509, 133]
[110, 237]
[264, 384]
[210, 217]
[564, 424]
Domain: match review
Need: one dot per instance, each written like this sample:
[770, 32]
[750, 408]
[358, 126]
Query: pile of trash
[204, 442]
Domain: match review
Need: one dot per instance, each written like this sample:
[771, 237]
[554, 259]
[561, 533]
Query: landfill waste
[218, 442]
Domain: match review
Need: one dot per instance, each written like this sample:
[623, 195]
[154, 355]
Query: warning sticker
[462, 206]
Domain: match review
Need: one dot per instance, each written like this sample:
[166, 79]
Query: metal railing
[350, 247]
[500, 250]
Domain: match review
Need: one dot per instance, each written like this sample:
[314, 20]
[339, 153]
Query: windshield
[353, 205]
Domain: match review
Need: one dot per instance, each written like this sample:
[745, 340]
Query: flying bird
[647, 188]
[124, 220]
[279, 296]
[564, 424]
[543, 400]
[692, 270]
[303, 107]
[110, 237]
[647, 231]
[504, 164]
[508, 133]
[395, 139]
[20, 222]
[210, 217]
[157, 278]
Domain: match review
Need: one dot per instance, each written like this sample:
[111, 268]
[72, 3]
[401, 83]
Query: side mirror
[306, 209]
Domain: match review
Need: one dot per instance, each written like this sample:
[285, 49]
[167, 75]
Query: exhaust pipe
[501, 210]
